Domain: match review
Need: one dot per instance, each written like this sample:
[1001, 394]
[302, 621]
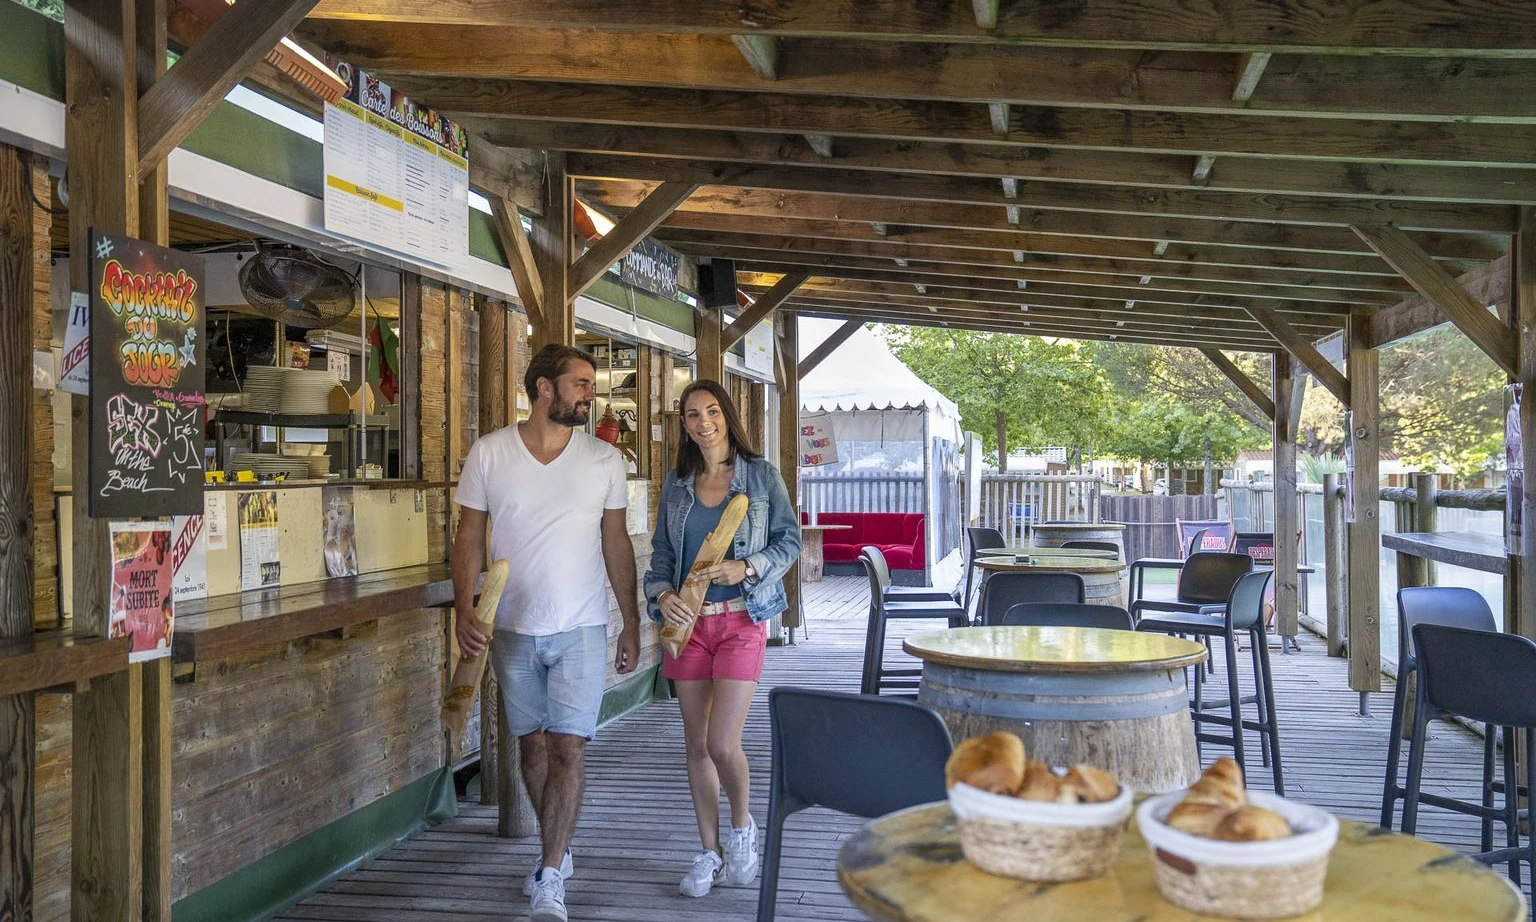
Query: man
[554, 499]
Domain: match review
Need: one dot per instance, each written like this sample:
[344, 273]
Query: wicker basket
[1030, 840]
[1241, 880]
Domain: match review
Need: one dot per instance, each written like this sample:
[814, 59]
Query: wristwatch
[751, 572]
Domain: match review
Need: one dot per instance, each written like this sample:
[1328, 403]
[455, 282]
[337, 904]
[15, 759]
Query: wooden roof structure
[1238, 175]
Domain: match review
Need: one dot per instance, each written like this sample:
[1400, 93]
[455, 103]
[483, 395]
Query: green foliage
[53, 9]
[1158, 429]
[1313, 467]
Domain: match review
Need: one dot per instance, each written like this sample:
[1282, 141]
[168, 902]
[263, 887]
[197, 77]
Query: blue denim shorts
[552, 683]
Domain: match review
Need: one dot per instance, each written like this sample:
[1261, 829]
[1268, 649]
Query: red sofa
[901, 536]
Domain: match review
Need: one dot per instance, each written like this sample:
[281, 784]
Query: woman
[717, 672]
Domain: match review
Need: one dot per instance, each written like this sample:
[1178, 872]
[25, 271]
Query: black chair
[1205, 583]
[1044, 614]
[1087, 545]
[1449, 606]
[1260, 545]
[1002, 591]
[860, 755]
[1243, 611]
[901, 593]
[1483, 676]
[976, 539]
[876, 677]
[1141, 565]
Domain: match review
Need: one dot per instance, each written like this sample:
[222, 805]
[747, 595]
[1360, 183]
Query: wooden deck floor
[637, 835]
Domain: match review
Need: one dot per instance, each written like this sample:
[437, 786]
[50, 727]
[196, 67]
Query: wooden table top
[825, 527]
[1049, 552]
[1053, 563]
[1054, 649]
[907, 867]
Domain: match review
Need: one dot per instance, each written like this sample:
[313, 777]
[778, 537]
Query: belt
[737, 604]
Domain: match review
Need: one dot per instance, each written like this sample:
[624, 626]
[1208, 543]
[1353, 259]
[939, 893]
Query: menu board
[146, 386]
[652, 266]
[396, 174]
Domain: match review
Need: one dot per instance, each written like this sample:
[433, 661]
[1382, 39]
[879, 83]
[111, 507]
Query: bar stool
[892, 593]
[1002, 591]
[977, 538]
[1449, 606]
[876, 677]
[1243, 611]
[1483, 676]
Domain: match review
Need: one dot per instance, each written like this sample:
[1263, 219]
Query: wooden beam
[1417, 313]
[997, 113]
[820, 144]
[518, 250]
[1250, 67]
[786, 351]
[1434, 283]
[866, 200]
[1350, 141]
[986, 13]
[828, 346]
[1055, 196]
[761, 53]
[660, 203]
[760, 309]
[553, 241]
[1247, 385]
[18, 727]
[226, 53]
[709, 349]
[1287, 506]
[1522, 283]
[1298, 346]
[1365, 530]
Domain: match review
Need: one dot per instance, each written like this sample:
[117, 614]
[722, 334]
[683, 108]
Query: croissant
[1092, 785]
[1221, 785]
[1252, 824]
[994, 763]
[1197, 819]
[1041, 783]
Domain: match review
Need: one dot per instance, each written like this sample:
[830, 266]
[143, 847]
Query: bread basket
[1037, 841]
[1241, 880]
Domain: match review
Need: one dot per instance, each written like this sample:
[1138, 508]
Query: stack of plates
[308, 392]
[319, 465]
[263, 388]
[268, 465]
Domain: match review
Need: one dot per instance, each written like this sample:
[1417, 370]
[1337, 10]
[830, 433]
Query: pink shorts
[727, 646]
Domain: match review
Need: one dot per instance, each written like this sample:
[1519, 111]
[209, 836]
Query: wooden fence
[1149, 520]
[1011, 503]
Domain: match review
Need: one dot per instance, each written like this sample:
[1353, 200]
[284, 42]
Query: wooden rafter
[628, 232]
[1250, 67]
[1433, 282]
[235, 43]
[1431, 27]
[761, 52]
[1417, 313]
[760, 309]
[1306, 353]
[518, 250]
[1240, 379]
[828, 346]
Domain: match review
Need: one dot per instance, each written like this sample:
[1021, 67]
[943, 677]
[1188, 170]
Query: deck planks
[637, 833]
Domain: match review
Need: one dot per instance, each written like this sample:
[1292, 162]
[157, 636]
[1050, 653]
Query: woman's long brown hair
[690, 460]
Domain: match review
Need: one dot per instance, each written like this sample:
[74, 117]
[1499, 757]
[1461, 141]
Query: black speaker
[717, 284]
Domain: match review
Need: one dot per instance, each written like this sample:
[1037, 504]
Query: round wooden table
[1114, 699]
[1101, 575]
[907, 867]
[811, 558]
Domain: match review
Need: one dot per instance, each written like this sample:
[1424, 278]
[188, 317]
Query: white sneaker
[567, 871]
[741, 855]
[548, 903]
[704, 874]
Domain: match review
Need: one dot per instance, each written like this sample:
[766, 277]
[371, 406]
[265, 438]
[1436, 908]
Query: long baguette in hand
[714, 549]
[466, 675]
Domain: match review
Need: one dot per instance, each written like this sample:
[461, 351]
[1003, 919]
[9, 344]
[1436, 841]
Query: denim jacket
[769, 537]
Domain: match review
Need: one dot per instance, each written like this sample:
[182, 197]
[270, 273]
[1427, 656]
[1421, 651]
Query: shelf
[53, 658]
[1457, 548]
[299, 420]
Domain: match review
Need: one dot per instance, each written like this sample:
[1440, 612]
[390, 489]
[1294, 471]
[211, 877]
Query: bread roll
[1043, 784]
[1093, 785]
[994, 763]
[1252, 824]
[1197, 819]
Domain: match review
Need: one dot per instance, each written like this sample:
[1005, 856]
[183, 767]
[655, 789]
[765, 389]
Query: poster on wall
[1349, 466]
[216, 520]
[340, 531]
[396, 173]
[189, 557]
[757, 348]
[1514, 465]
[818, 441]
[140, 603]
[147, 407]
[259, 566]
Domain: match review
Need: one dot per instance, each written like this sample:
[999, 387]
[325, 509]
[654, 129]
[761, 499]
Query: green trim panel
[266, 887]
[33, 54]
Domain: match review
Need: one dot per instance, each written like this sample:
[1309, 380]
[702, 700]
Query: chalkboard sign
[651, 266]
[147, 362]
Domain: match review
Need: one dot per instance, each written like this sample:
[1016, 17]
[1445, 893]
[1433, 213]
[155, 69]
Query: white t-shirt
[546, 521]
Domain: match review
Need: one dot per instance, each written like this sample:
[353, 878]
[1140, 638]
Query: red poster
[142, 574]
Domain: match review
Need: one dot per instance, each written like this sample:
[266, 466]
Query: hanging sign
[396, 173]
[818, 442]
[147, 407]
[652, 266]
[140, 603]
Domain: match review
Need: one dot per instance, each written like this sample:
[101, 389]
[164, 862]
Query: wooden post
[491, 416]
[1522, 290]
[707, 338]
[1335, 563]
[1365, 531]
[786, 357]
[554, 240]
[18, 723]
[1286, 512]
[101, 136]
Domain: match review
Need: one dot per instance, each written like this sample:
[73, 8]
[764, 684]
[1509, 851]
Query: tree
[1015, 389]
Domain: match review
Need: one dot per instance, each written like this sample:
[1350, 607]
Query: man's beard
[570, 414]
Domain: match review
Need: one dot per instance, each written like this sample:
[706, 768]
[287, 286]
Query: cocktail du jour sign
[146, 379]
